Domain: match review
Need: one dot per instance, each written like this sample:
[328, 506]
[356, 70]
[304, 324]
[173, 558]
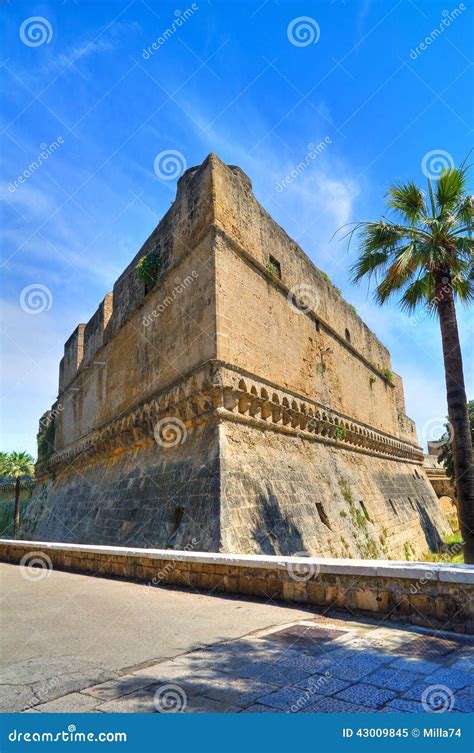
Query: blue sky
[228, 78]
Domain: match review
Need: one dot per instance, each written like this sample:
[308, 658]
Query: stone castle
[235, 403]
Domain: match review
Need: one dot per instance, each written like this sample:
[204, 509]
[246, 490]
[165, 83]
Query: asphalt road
[67, 631]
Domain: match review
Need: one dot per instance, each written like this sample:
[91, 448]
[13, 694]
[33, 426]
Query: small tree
[15, 465]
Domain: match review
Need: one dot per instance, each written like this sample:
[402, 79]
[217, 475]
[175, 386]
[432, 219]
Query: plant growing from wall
[340, 433]
[329, 283]
[148, 269]
[372, 381]
[368, 548]
[272, 269]
[387, 375]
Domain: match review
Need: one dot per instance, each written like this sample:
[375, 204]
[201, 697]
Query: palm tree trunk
[16, 522]
[457, 413]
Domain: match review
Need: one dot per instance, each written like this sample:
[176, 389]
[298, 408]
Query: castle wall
[295, 328]
[73, 353]
[171, 332]
[95, 329]
[283, 344]
[254, 230]
[175, 236]
[292, 437]
[147, 496]
[272, 485]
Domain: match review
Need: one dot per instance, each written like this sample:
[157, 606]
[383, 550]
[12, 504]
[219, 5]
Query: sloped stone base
[283, 494]
[149, 497]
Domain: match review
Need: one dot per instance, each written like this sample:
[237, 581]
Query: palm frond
[19, 464]
[369, 262]
[420, 291]
[464, 211]
[398, 274]
[432, 237]
[450, 188]
[463, 288]
[408, 200]
[462, 281]
[465, 248]
[381, 235]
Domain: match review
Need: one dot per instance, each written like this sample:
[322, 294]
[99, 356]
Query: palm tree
[446, 455]
[3, 462]
[15, 465]
[426, 257]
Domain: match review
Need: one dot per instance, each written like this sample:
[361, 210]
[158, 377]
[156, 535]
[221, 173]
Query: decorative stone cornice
[219, 392]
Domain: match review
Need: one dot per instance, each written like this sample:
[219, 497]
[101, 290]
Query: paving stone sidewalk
[320, 664]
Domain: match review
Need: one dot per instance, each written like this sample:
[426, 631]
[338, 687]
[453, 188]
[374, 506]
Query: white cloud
[111, 39]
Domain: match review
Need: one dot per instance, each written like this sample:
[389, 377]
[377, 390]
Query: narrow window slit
[322, 515]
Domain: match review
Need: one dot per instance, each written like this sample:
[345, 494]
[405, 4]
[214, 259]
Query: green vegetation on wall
[368, 548]
[148, 269]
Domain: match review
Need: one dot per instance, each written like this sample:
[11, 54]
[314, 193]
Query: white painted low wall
[432, 594]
